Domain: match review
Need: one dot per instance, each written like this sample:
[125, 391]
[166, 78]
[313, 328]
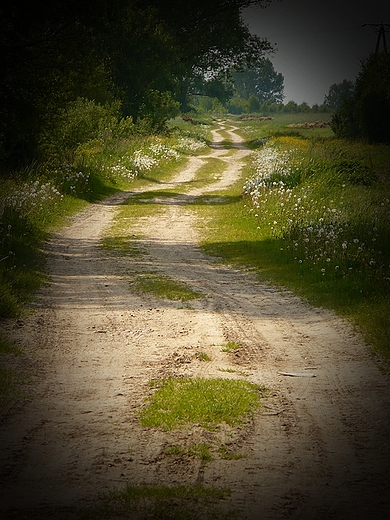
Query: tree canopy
[338, 92]
[366, 114]
[55, 51]
[261, 81]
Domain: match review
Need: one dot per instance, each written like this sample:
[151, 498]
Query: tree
[338, 93]
[367, 113]
[262, 81]
[54, 51]
[291, 107]
[253, 104]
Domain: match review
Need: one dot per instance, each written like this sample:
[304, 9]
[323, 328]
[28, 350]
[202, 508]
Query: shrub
[81, 121]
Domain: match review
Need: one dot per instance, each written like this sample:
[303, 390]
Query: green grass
[208, 402]
[231, 346]
[7, 383]
[226, 453]
[9, 379]
[208, 173]
[162, 286]
[279, 125]
[122, 245]
[143, 502]
[203, 356]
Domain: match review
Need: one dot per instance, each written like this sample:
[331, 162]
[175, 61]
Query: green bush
[81, 121]
[157, 108]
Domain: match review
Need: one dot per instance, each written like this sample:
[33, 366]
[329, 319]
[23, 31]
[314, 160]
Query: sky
[319, 43]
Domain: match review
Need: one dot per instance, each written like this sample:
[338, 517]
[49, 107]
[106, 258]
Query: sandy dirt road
[317, 449]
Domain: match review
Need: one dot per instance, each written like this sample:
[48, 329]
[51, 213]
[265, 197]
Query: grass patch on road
[9, 379]
[231, 346]
[200, 451]
[208, 402]
[162, 286]
[143, 502]
[208, 173]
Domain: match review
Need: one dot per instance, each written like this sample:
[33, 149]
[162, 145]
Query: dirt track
[318, 449]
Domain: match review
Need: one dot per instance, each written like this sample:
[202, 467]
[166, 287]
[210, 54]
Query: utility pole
[381, 29]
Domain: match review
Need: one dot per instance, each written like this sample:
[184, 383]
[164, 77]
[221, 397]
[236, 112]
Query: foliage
[163, 286]
[127, 51]
[338, 93]
[81, 121]
[39, 196]
[367, 113]
[263, 82]
[155, 111]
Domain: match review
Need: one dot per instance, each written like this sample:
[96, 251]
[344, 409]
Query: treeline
[139, 60]
[237, 106]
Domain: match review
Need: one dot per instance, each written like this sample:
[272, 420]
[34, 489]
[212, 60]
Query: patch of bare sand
[317, 449]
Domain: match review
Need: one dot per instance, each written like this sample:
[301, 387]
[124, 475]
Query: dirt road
[319, 447]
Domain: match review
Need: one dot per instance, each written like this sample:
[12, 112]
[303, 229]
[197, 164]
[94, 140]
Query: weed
[226, 453]
[122, 245]
[231, 346]
[6, 347]
[203, 356]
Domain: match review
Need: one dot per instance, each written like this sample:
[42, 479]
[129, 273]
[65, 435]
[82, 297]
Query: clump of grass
[203, 356]
[6, 347]
[207, 402]
[208, 173]
[7, 382]
[163, 286]
[165, 502]
[201, 451]
[231, 346]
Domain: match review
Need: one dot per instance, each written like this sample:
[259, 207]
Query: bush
[81, 121]
[156, 110]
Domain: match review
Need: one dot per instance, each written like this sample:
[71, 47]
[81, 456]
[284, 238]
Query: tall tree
[263, 82]
[367, 113]
[338, 92]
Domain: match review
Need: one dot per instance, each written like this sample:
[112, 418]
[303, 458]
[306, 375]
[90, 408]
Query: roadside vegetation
[314, 216]
[37, 199]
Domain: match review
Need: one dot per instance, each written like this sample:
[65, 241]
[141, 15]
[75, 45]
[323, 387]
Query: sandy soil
[317, 449]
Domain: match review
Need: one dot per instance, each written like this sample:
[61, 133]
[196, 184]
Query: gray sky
[319, 42]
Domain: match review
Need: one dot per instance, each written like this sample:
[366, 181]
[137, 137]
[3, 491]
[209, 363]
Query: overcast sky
[319, 42]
